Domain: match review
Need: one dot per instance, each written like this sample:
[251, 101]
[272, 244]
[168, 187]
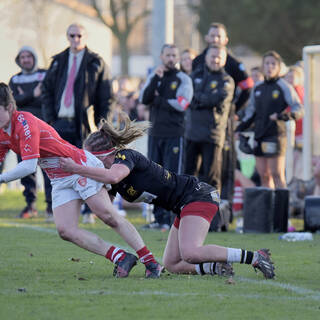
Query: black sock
[246, 256]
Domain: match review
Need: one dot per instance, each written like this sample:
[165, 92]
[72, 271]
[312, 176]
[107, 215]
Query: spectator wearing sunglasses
[76, 79]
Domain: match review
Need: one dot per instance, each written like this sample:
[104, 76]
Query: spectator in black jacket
[208, 115]
[26, 89]
[76, 79]
[217, 34]
[168, 93]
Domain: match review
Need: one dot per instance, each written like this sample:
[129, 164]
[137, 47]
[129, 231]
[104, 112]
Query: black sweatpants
[211, 162]
[168, 152]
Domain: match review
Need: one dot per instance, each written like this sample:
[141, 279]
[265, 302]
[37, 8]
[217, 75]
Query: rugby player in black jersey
[195, 203]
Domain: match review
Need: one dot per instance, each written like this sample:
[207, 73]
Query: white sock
[234, 255]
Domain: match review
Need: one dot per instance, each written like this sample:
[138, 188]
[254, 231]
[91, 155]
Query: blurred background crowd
[134, 68]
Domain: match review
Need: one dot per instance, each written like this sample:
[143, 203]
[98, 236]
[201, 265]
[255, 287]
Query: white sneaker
[49, 218]
[88, 218]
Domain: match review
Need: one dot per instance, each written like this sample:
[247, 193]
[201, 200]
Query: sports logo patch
[121, 156]
[215, 196]
[275, 94]
[241, 67]
[131, 192]
[82, 181]
[167, 174]
[175, 150]
[174, 85]
[213, 84]
[269, 147]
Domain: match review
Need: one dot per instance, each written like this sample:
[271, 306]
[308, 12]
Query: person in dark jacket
[76, 79]
[217, 34]
[207, 116]
[26, 89]
[267, 109]
[168, 93]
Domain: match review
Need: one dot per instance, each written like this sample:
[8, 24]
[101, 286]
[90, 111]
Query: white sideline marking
[159, 293]
[287, 286]
[27, 226]
[314, 295]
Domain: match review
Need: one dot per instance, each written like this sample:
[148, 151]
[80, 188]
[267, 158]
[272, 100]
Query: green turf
[44, 277]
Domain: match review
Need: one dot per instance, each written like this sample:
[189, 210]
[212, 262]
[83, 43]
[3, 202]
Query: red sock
[145, 256]
[115, 254]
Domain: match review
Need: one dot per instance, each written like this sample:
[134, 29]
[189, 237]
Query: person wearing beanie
[26, 89]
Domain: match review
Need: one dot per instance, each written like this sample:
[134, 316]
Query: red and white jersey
[33, 138]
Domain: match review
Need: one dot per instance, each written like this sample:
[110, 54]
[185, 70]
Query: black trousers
[67, 131]
[167, 152]
[211, 162]
[229, 162]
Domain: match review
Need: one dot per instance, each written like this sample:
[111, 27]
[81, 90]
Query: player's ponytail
[108, 136]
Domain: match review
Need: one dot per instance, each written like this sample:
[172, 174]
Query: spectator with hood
[27, 88]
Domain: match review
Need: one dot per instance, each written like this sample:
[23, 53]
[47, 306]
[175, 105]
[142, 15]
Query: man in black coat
[217, 35]
[207, 116]
[168, 93]
[76, 79]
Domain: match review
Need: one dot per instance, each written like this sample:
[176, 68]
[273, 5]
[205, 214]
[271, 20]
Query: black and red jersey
[149, 182]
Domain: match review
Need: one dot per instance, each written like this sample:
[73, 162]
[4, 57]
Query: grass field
[44, 277]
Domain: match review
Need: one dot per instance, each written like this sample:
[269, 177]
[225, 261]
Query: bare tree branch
[120, 24]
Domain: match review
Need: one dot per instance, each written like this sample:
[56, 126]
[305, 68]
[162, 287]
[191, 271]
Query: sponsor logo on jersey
[257, 93]
[275, 94]
[241, 67]
[27, 148]
[120, 156]
[131, 192]
[25, 126]
[173, 85]
[82, 181]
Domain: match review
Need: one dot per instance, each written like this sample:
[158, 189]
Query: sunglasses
[75, 35]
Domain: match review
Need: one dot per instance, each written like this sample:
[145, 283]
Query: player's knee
[109, 219]
[65, 233]
[189, 255]
[170, 265]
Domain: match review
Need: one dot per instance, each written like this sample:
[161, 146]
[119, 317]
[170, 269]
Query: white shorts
[76, 187]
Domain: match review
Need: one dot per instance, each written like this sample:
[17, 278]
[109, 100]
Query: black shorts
[203, 192]
[270, 146]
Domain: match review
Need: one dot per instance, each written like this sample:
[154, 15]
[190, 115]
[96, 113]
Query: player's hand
[273, 116]
[159, 71]
[68, 165]
[37, 90]
[20, 90]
